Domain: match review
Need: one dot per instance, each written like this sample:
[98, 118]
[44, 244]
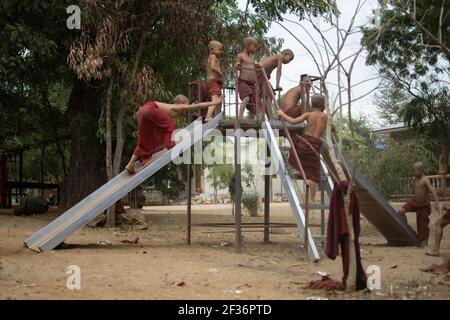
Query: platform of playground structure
[161, 266]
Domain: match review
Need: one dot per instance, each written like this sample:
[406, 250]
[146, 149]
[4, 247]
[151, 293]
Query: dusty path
[150, 269]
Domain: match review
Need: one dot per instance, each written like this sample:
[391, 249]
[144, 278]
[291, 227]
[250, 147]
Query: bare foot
[130, 168]
[432, 253]
[207, 120]
[423, 244]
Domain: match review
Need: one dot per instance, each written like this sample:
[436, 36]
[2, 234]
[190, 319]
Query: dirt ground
[207, 269]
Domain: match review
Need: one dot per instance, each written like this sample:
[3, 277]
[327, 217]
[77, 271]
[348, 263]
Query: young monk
[289, 102]
[215, 77]
[308, 145]
[276, 61]
[247, 77]
[441, 223]
[420, 203]
[156, 124]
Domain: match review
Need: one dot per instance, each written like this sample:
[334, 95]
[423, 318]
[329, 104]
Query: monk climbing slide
[97, 202]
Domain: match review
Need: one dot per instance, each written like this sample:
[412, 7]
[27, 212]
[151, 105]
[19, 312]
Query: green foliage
[389, 101]
[415, 68]
[275, 9]
[222, 176]
[251, 203]
[169, 181]
[387, 169]
[430, 114]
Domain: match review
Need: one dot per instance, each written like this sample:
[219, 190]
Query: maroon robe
[444, 267]
[446, 215]
[200, 92]
[309, 158]
[338, 234]
[294, 111]
[247, 88]
[423, 211]
[214, 87]
[155, 128]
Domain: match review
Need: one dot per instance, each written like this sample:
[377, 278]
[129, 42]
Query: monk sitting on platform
[420, 203]
[247, 78]
[156, 124]
[215, 77]
[308, 145]
[441, 223]
[276, 61]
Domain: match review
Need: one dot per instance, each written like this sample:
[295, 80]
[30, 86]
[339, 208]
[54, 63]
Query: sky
[303, 63]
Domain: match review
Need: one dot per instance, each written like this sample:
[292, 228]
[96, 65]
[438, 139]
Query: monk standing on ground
[441, 223]
[156, 124]
[276, 61]
[215, 77]
[247, 77]
[308, 145]
[420, 203]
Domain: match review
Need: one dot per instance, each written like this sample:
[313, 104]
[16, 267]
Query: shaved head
[419, 165]
[181, 99]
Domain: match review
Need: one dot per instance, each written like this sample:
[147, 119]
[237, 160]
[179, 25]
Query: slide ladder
[293, 199]
[106, 196]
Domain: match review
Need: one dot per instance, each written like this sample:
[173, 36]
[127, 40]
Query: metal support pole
[189, 204]
[306, 218]
[322, 209]
[237, 171]
[267, 196]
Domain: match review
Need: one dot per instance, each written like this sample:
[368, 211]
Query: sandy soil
[151, 268]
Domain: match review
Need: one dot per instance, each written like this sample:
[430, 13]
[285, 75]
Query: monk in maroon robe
[200, 93]
[420, 203]
[156, 125]
[307, 146]
[247, 88]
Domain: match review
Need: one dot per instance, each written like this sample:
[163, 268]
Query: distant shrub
[251, 204]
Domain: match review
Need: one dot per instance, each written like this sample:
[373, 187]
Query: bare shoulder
[425, 181]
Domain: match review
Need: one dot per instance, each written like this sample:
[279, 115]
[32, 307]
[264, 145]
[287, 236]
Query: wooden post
[20, 173]
[443, 167]
[3, 180]
[41, 178]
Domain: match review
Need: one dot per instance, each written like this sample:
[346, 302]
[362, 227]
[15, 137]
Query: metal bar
[237, 171]
[189, 204]
[322, 210]
[267, 193]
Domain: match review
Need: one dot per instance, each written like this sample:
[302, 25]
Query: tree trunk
[111, 212]
[86, 170]
[120, 139]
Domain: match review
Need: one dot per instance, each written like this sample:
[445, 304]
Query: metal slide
[97, 202]
[289, 188]
[379, 212]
